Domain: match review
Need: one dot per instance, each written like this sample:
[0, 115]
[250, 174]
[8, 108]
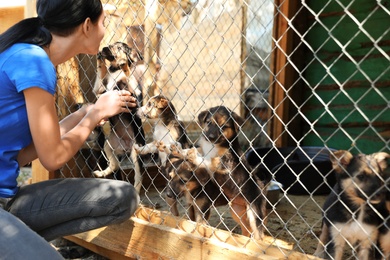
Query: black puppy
[200, 192]
[167, 130]
[384, 230]
[221, 155]
[351, 211]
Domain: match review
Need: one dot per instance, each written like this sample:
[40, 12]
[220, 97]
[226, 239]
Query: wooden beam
[10, 16]
[30, 10]
[14, 13]
[152, 234]
[87, 75]
[244, 53]
[283, 75]
[151, 43]
[39, 173]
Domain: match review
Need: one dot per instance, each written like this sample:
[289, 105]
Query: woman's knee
[18, 241]
[130, 199]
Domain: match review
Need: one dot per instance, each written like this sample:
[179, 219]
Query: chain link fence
[307, 78]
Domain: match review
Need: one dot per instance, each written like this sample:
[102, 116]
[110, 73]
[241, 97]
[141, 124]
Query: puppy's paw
[192, 155]
[99, 174]
[178, 145]
[137, 148]
[176, 150]
[160, 145]
[217, 166]
[216, 163]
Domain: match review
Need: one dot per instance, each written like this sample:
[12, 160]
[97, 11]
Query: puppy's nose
[210, 134]
[136, 100]
[378, 196]
[170, 194]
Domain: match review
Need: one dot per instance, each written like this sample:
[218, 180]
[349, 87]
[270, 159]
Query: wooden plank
[140, 239]
[98, 249]
[158, 235]
[166, 219]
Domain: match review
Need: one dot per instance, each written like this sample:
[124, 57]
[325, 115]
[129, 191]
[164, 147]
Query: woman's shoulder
[25, 50]
[25, 56]
[27, 65]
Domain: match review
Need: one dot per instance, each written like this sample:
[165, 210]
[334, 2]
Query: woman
[29, 129]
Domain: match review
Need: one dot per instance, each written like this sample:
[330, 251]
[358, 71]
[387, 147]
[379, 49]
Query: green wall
[347, 71]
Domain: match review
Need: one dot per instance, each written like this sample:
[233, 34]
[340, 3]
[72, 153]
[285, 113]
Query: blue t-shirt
[21, 66]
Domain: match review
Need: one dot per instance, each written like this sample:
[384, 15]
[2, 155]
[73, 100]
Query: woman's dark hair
[59, 17]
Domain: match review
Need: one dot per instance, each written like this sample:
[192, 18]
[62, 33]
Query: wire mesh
[324, 80]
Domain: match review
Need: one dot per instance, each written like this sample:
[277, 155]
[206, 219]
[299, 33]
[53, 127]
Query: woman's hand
[55, 144]
[114, 102]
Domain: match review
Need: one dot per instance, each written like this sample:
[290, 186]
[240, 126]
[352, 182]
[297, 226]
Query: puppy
[114, 64]
[198, 189]
[351, 209]
[221, 155]
[125, 129]
[384, 230]
[167, 130]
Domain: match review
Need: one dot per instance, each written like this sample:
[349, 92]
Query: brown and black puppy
[200, 192]
[115, 64]
[351, 210]
[125, 129]
[384, 230]
[167, 130]
[221, 154]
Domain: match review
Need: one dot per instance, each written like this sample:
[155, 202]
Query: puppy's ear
[126, 48]
[101, 64]
[107, 54]
[99, 56]
[381, 159]
[202, 117]
[122, 84]
[105, 50]
[131, 54]
[163, 103]
[340, 160]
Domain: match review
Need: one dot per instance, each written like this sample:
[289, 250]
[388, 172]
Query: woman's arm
[74, 118]
[54, 149]
[28, 154]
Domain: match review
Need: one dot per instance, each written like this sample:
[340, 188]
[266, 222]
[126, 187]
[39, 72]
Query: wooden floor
[152, 234]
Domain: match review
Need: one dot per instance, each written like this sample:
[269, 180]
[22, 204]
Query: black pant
[62, 207]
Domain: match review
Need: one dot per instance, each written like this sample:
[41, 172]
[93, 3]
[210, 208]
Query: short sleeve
[31, 67]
